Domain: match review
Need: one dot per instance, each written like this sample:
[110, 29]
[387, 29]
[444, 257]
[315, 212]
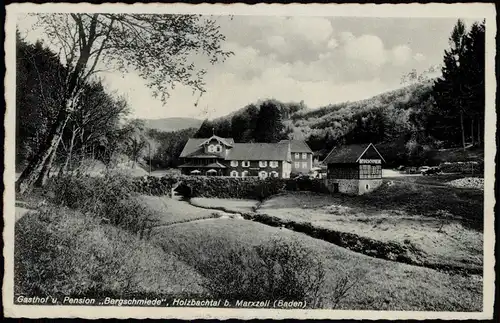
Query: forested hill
[172, 124]
[405, 124]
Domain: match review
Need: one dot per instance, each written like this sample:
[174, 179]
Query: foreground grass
[171, 211]
[60, 252]
[379, 284]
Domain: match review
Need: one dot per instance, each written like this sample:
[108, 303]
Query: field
[195, 248]
[440, 226]
[379, 284]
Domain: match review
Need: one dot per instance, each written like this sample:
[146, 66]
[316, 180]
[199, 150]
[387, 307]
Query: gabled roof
[352, 154]
[259, 151]
[298, 146]
[192, 146]
[226, 141]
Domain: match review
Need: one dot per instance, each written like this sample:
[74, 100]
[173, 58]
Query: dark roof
[352, 153]
[298, 146]
[193, 146]
[259, 151]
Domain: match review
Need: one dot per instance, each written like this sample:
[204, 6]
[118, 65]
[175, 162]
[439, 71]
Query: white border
[472, 10]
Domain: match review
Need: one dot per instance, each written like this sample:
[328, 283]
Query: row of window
[262, 163]
[262, 174]
[214, 148]
[370, 171]
[297, 155]
[297, 164]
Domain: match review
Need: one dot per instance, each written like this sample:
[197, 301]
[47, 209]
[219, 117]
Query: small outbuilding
[354, 169]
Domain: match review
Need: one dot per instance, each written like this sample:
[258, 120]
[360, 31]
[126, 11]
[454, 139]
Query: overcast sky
[314, 59]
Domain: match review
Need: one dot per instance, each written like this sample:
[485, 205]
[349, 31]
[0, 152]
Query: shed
[354, 169]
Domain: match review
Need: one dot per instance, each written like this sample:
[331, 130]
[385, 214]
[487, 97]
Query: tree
[269, 126]
[450, 90]
[97, 113]
[158, 47]
[473, 63]
[38, 85]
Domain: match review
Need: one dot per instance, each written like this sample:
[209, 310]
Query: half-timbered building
[354, 169]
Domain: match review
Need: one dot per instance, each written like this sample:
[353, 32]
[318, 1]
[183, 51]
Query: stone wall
[353, 186]
[368, 185]
[347, 186]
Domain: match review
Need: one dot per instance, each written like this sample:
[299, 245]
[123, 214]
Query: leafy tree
[97, 114]
[159, 47]
[269, 126]
[38, 85]
[206, 130]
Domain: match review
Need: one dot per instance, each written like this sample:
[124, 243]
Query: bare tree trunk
[32, 172]
[472, 131]
[462, 127]
[69, 155]
[479, 131]
[45, 173]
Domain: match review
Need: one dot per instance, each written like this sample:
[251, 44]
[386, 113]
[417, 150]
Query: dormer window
[218, 148]
[211, 148]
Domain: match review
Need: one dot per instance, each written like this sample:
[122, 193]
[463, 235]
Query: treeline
[264, 121]
[95, 129]
[168, 147]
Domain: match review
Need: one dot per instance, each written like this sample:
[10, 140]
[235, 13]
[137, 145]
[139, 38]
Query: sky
[318, 60]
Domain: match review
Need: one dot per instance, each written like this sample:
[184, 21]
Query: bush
[111, 198]
[60, 252]
[281, 269]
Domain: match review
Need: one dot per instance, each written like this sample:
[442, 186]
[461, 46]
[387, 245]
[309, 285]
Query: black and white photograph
[235, 161]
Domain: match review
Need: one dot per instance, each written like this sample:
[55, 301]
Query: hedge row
[226, 187]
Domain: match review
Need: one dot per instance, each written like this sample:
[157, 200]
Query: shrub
[60, 252]
[111, 198]
[281, 269]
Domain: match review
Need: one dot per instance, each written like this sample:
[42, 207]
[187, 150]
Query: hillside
[405, 124]
[172, 124]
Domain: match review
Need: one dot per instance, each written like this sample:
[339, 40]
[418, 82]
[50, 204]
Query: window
[218, 148]
[273, 164]
[234, 163]
[304, 165]
[297, 155]
[262, 174]
[245, 163]
[244, 173]
[274, 174]
[304, 155]
[365, 171]
[234, 173]
[211, 148]
[296, 165]
[263, 163]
